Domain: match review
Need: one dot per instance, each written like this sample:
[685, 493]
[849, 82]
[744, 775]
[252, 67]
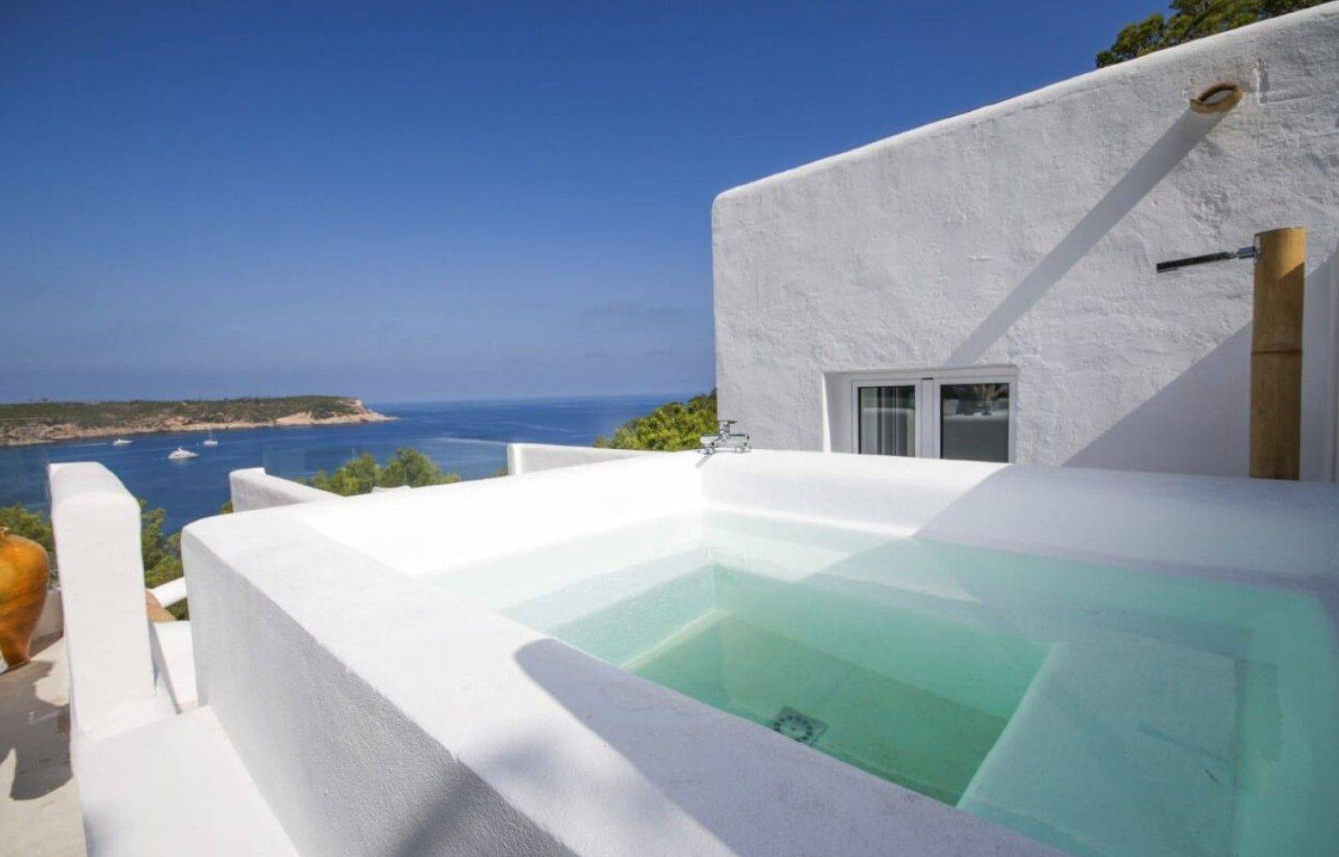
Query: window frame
[929, 386]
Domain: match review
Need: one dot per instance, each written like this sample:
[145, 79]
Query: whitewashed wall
[253, 489]
[534, 457]
[96, 523]
[1025, 234]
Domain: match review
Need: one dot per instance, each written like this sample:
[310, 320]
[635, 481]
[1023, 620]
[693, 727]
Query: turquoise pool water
[1102, 710]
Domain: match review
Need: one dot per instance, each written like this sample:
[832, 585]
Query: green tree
[408, 467]
[670, 427]
[1193, 19]
[22, 521]
[355, 476]
[162, 553]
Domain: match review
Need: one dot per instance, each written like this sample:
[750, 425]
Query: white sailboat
[209, 441]
[179, 454]
[120, 441]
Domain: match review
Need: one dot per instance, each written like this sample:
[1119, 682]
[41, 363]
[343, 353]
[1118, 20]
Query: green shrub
[22, 521]
[162, 554]
[408, 467]
[670, 427]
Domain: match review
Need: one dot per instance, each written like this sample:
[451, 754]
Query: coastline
[63, 432]
[466, 438]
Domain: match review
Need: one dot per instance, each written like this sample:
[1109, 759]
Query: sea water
[468, 438]
[1101, 710]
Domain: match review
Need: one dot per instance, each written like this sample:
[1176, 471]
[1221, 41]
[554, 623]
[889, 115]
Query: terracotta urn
[24, 573]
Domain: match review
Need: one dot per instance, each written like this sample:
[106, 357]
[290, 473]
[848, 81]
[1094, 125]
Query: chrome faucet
[724, 438]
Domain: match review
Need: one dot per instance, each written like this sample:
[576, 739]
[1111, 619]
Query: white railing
[533, 457]
[253, 489]
[172, 592]
[97, 530]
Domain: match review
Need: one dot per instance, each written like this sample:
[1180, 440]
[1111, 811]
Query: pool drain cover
[797, 726]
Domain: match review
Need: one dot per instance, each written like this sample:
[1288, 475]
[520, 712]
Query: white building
[1014, 247]
[793, 654]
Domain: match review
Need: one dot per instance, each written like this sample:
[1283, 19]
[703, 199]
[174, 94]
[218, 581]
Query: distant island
[43, 422]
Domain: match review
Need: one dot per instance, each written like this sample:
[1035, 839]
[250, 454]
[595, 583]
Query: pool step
[1127, 749]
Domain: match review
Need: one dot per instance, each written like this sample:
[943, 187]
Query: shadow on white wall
[1210, 402]
[1169, 150]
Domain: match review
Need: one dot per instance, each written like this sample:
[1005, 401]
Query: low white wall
[1024, 236]
[427, 528]
[174, 658]
[1262, 531]
[170, 593]
[533, 457]
[97, 529]
[253, 489]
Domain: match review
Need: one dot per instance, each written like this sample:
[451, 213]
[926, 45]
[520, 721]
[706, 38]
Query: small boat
[179, 454]
[209, 441]
[120, 441]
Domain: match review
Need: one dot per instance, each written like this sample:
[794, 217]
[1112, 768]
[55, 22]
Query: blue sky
[436, 200]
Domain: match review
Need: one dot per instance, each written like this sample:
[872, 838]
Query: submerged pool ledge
[378, 713]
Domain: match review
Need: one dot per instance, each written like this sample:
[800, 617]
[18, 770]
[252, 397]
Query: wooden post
[1276, 354]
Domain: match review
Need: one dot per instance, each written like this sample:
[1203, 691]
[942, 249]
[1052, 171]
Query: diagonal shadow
[1199, 422]
[1187, 426]
[1175, 143]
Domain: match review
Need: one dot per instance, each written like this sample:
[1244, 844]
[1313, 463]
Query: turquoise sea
[469, 438]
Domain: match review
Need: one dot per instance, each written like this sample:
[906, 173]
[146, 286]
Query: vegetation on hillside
[408, 467]
[113, 414]
[670, 427]
[1193, 19]
[162, 553]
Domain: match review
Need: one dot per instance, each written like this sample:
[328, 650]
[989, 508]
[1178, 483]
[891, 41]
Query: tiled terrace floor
[39, 808]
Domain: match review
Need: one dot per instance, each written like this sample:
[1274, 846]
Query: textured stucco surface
[534, 457]
[152, 781]
[253, 488]
[96, 523]
[170, 788]
[1025, 234]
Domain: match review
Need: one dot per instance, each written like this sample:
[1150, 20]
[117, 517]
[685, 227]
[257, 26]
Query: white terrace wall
[1025, 235]
[534, 457]
[253, 489]
[96, 523]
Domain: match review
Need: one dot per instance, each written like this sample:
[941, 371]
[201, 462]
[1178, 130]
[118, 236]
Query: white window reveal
[959, 414]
